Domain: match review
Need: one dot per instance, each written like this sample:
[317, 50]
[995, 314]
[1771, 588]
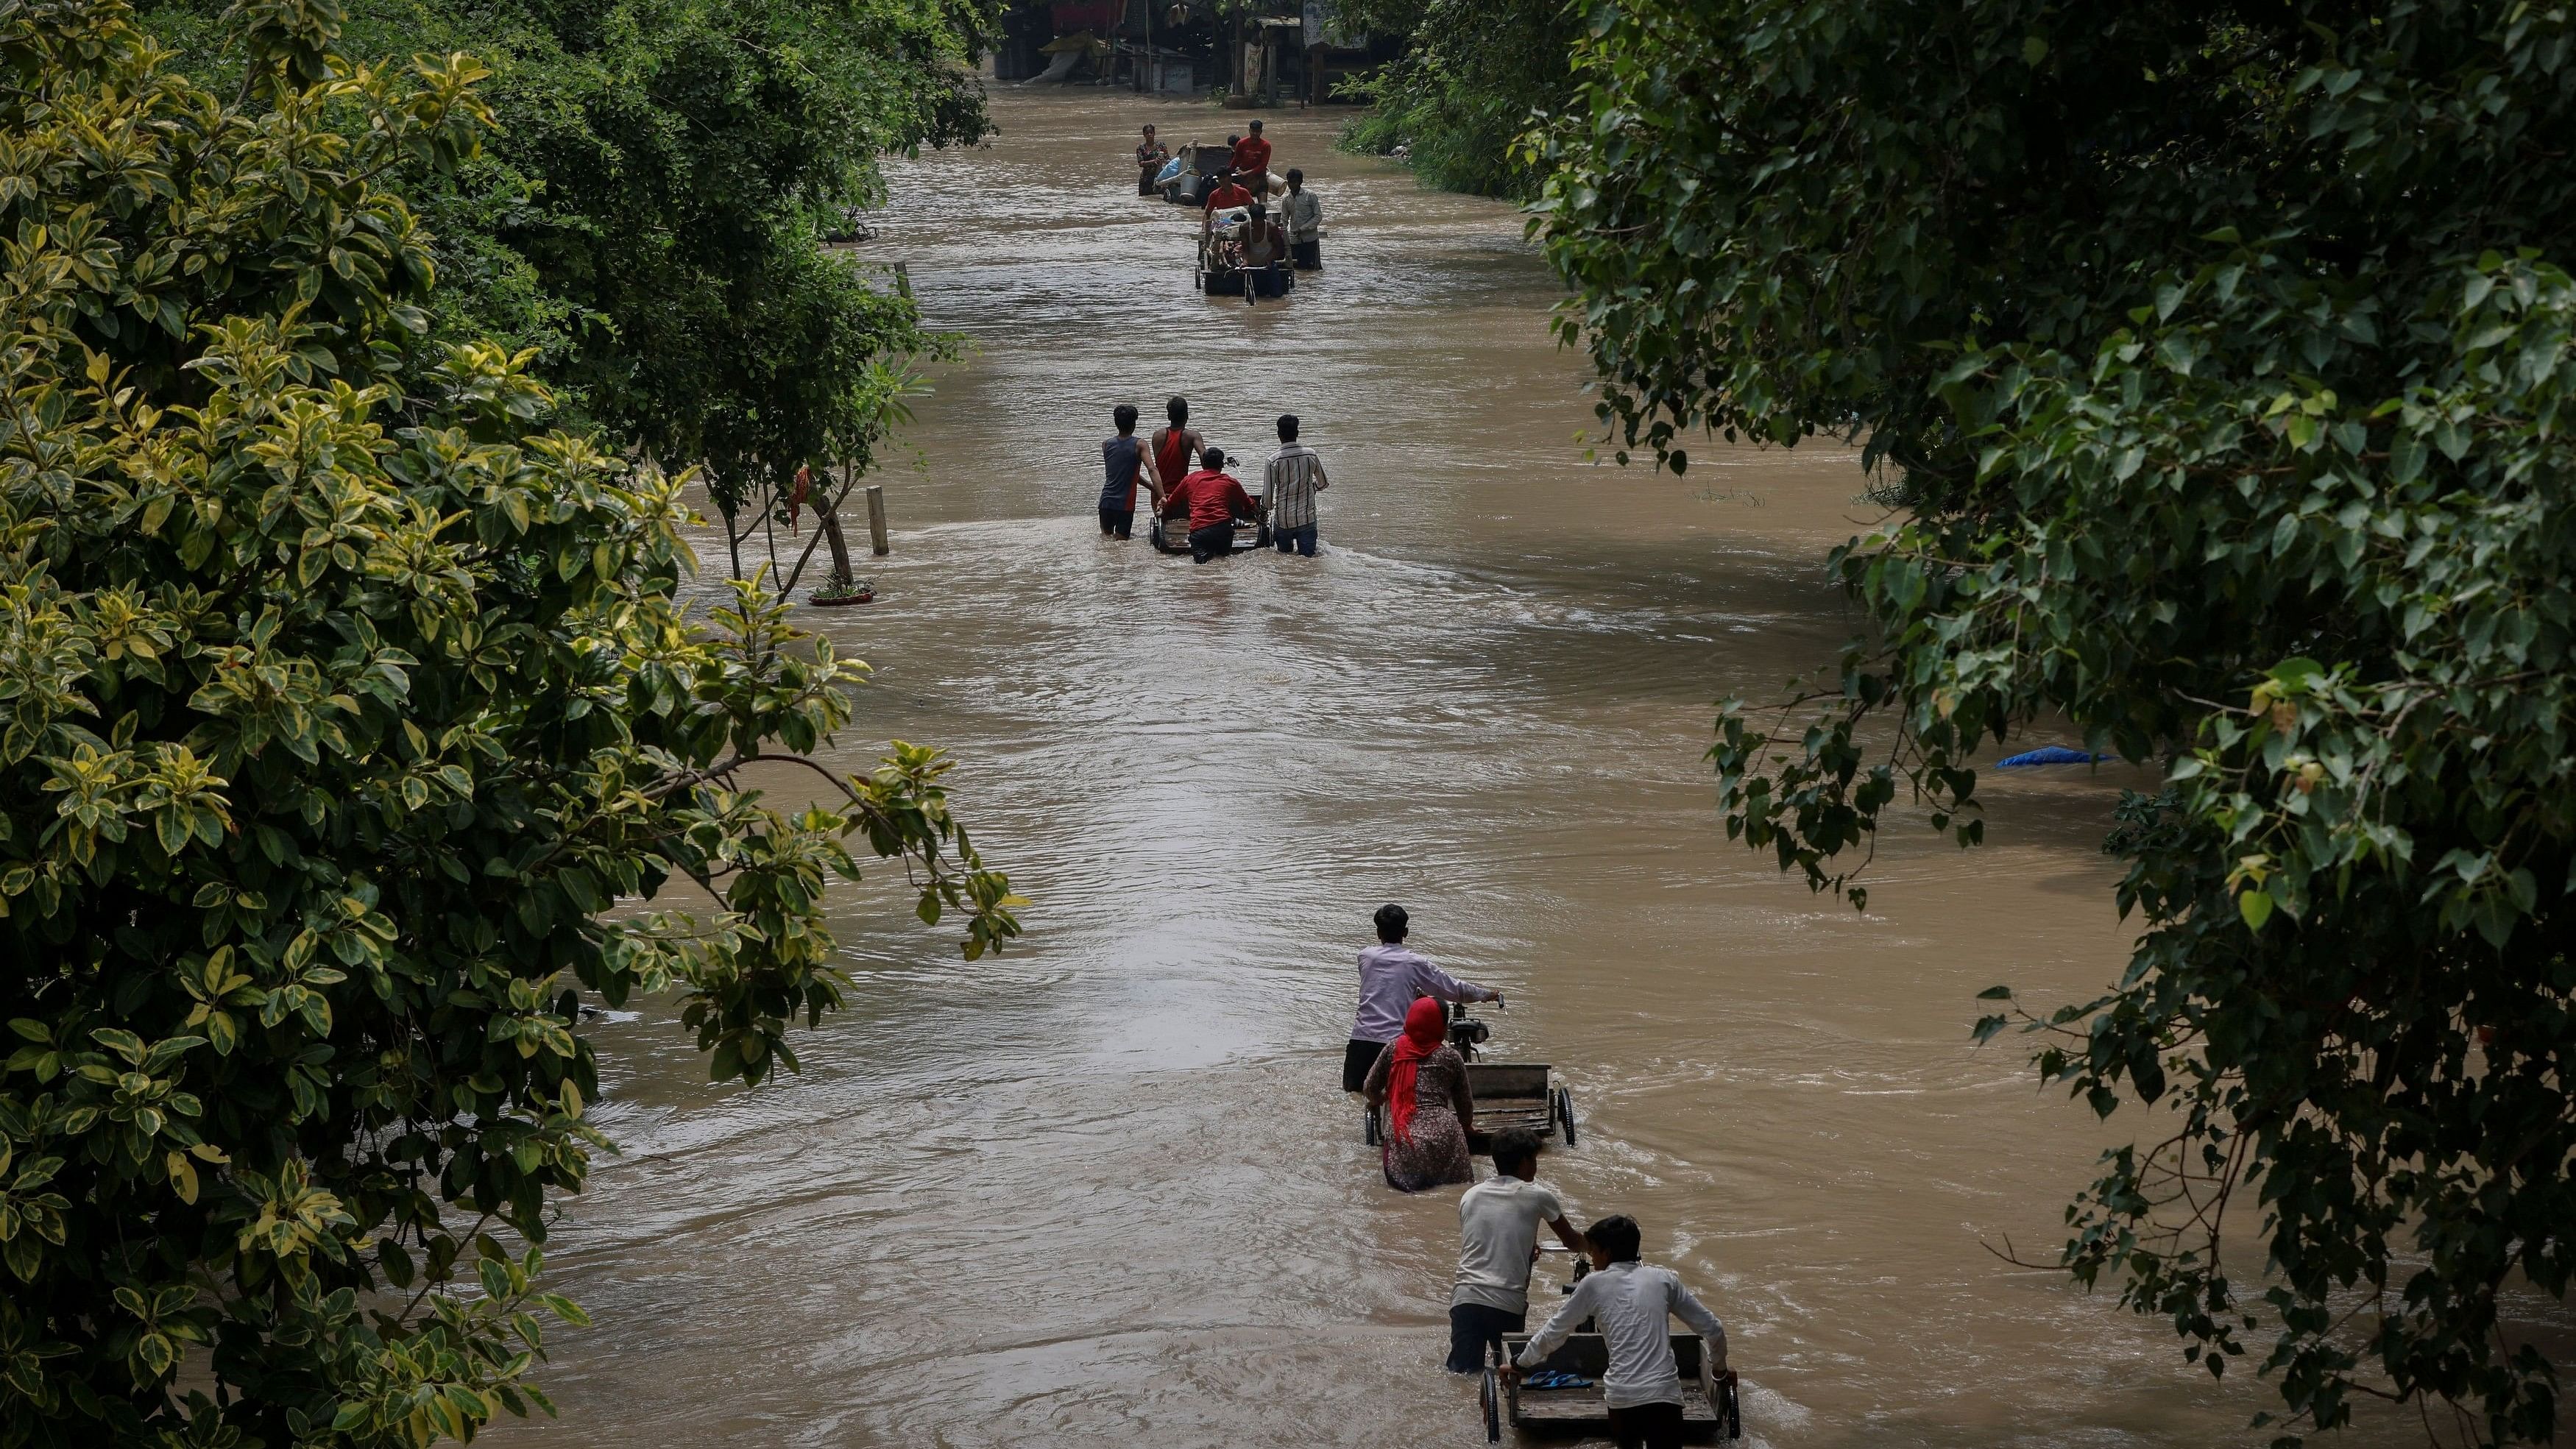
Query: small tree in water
[2223, 356]
[336, 708]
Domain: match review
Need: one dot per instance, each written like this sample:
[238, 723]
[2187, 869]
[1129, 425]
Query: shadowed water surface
[1105, 1185]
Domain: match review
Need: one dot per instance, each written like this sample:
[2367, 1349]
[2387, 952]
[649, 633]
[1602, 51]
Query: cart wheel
[1565, 1112]
[1730, 1412]
[1492, 1394]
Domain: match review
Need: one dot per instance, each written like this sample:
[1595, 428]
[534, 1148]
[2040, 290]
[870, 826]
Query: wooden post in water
[876, 518]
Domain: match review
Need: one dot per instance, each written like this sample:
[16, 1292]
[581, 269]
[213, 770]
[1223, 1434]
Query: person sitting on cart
[1632, 1303]
[1225, 195]
[1211, 500]
[1497, 1242]
[1262, 243]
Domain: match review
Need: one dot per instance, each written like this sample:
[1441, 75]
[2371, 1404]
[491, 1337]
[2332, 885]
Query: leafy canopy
[340, 707]
[1460, 95]
[2218, 351]
[650, 209]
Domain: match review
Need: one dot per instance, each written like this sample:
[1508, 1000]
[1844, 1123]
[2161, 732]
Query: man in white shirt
[1632, 1303]
[1392, 978]
[1288, 488]
[1497, 1242]
[1304, 215]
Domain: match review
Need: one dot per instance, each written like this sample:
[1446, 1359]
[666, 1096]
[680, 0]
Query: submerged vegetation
[2223, 354]
[342, 696]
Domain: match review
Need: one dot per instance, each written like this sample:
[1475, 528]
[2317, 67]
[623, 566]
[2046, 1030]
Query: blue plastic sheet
[2050, 755]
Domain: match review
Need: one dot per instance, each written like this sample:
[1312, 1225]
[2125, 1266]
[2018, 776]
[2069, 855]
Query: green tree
[2218, 351]
[652, 211]
[340, 709]
[1462, 92]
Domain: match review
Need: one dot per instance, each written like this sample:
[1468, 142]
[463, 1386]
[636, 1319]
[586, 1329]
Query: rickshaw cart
[1709, 1407]
[1517, 1094]
[1222, 271]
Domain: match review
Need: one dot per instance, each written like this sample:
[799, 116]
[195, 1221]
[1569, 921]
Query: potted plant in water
[842, 589]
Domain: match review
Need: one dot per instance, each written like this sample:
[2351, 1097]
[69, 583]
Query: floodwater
[1106, 1185]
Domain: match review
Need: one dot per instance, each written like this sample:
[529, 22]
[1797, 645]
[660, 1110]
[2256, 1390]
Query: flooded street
[1106, 1185]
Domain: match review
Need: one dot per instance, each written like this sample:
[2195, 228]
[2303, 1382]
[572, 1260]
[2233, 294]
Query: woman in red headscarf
[1422, 1082]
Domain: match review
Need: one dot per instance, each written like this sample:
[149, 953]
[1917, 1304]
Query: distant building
[1272, 52]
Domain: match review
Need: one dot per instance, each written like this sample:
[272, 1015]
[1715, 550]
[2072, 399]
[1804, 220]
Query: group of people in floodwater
[1207, 500]
[1400, 1059]
[1258, 236]
[1182, 475]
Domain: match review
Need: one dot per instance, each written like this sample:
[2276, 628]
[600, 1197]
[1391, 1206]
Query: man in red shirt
[1228, 192]
[1252, 157]
[1212, 501]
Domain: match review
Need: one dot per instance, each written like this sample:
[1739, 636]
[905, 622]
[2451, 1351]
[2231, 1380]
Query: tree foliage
[651, 212]
[1461, 94]
[341, 707]
[2219, 350]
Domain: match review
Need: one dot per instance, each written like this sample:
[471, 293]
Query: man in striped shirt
[1288, 489]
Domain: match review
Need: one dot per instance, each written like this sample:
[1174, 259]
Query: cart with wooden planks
[1517, 1094]
[1709, 1407]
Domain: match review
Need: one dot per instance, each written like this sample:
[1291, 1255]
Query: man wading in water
[1631, 1302]
[1252, 158]
[1288, 488]
[1392, 978]
[1127, 465]
[1211, 500]
[1176, 445]
[1497, 1240]
[1305, 217]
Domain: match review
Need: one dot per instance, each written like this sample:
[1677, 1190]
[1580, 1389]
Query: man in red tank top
[1176, 445]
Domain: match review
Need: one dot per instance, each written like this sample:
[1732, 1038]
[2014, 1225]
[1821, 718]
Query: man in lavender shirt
[1392, 978]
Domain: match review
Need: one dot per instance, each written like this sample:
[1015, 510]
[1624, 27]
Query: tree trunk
[829, 521]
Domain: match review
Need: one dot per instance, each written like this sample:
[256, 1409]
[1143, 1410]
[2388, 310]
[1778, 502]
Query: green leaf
[2255, 907]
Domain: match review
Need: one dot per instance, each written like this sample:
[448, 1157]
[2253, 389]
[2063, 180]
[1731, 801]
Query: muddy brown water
[1106, 1185]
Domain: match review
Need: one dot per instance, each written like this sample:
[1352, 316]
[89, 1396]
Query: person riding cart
[1227, 195]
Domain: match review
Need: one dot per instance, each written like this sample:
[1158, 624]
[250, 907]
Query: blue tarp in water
[2050, 755]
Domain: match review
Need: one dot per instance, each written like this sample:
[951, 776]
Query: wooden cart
[1172, 535]
[1517, 1094]
[1709, 1407]
[1199, 167]
[1222, 275]
[1508, 1095]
